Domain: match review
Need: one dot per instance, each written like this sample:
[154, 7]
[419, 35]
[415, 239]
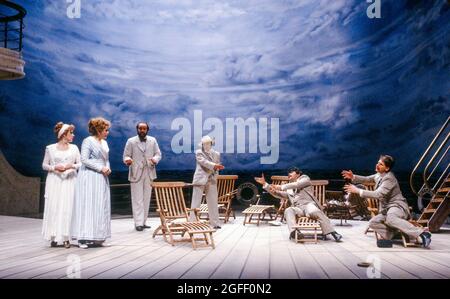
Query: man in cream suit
[141, 155]
[393, 207]
[299, 191]
[205, 180]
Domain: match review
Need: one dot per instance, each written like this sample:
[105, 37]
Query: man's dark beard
[142, 136]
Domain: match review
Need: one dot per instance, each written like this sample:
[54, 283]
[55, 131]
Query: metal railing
[11, 25]
[437, 153]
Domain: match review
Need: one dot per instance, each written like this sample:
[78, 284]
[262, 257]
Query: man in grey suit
[205, 180]
[299, 191]
[393, 207]
[141, 155]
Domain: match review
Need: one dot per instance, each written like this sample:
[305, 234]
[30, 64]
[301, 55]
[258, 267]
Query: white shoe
[275, 223]
[83, 246]
[104, 244]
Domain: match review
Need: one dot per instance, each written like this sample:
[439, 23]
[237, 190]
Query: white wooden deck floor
[241, 252]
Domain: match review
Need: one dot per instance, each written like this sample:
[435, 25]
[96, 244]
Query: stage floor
[241, 252]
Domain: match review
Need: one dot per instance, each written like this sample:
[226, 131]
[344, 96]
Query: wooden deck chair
[260, 212]
[319, 187]
[336, 208]
[406, 239]
[226, 192]
[175, 216]
[318, 190]
[307, 224]
[308, 227]
[280, 180]
[372, 205]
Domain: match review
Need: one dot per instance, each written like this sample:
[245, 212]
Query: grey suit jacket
[204, 171]
[141, 158]
[300, 193]
[387, 191]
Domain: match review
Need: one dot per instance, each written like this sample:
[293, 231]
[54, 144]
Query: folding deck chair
[226, 192]
[175, 216]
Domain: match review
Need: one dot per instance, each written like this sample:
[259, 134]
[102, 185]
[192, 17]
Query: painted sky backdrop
[344, 87]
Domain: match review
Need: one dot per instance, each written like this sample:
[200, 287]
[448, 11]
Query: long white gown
[59, 192]
[91, 220]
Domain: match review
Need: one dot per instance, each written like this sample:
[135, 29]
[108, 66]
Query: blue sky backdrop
[344, 87]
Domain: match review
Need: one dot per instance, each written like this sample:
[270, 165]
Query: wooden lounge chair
[372, 205]
[259, 211]
[318, 190]
[336, 208]
[280, 180]
[308, 227]
[406, 239]
[226, 192]
[175, 216]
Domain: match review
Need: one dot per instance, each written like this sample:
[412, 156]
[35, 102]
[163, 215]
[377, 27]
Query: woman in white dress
[61, 160]
[91, 221]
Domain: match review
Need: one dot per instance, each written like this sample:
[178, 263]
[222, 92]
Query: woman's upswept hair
[97, 125]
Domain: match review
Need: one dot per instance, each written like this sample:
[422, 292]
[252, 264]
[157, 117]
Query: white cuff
[361, 192]
[266, 185]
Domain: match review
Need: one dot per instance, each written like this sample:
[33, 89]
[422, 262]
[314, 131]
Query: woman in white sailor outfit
[61, 161]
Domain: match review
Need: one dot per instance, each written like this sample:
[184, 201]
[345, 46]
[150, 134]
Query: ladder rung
[444, 190]
[437, 199]
[422, 221]
[430, 210]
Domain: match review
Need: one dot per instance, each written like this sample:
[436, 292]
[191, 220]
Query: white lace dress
[59, 192]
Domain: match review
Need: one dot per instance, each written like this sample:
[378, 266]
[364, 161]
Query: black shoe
[324, 238]
[384, 243]
[53, 244]
[426, 239]
[217, 227]
[139, 228]
[337, 237]
[292, 234]
[146, 226]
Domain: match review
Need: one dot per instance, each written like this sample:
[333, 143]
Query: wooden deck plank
[249, 251]
[281, 264]
[257, 265]
[206, 267]
[180, 267]
[233, 264]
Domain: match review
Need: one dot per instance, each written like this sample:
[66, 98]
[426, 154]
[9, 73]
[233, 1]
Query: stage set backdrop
[317, 84]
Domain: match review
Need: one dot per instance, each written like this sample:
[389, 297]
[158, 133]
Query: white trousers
[210, 191]
[141, 193]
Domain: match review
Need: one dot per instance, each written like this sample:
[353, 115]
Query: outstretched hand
[347, 174]
[219, 167]
[261, 180]
[351, 189]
